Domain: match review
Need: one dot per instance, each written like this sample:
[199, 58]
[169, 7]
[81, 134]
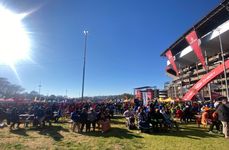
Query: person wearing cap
[223, 116]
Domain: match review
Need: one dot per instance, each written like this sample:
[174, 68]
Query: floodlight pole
[209, 84]
[84, 62]
[39, 88]
[223, 61]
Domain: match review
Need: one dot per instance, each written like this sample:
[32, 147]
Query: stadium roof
[216, 17]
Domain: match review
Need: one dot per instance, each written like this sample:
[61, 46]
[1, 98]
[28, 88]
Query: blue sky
[126, 38]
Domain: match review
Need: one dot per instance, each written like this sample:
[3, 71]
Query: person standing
[75, 116]
[14, 118]
[205, 117]
[223, 116]
[83, 119]
[92, 117]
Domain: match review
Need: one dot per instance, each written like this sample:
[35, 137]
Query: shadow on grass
[117, 122]
[19, 131]
[114, 132]
[53, 132]
[117, 117]
[189, 132]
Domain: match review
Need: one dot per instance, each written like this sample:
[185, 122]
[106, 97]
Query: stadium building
[198, 61]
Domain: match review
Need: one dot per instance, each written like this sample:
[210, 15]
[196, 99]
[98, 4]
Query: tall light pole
[224, 67]
[66, 93]
[84, 61]
[39, 88]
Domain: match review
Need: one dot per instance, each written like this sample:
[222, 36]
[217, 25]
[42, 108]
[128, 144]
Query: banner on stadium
[138, 94]
[193, 41]
[145, 98]
[169, 55]
[205, 80]
[150, 94]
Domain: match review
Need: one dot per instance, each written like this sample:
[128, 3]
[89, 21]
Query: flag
[193, 41]
[150, 94]
[169, 55]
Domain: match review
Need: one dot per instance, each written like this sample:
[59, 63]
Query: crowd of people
[158, 116]
[85, 117]
[38, 114]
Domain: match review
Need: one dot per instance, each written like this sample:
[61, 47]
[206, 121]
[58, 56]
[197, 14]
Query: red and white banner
[193, 41]
[150, 94]
[138, 94]
[169, 55]
[207, 78]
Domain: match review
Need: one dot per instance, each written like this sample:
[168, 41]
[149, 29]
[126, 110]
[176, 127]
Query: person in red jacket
[179, 113]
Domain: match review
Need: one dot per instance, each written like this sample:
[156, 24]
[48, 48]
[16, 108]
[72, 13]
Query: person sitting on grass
[143, 121]
[57, 115]
[168, 121]
[159, 120]
[129, 115]
[49, 115]
[40, 116]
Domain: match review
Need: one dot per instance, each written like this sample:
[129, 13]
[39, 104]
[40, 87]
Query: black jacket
[223, 112]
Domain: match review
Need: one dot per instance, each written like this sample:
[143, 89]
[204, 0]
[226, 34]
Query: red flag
[150, 94]
[169, 55]
[138, 94]
[193, 41]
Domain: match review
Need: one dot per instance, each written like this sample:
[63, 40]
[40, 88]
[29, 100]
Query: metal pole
[84, 63]
[39, 86]
[224, 67]
[209, 84]
[181, 79]
[66, 93]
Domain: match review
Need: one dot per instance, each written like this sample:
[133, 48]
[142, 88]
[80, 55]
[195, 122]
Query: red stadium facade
[198, 61]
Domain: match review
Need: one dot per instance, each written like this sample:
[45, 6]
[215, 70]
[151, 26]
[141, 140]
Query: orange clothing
[204, 118]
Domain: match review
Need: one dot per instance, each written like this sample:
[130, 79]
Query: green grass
[60, 137]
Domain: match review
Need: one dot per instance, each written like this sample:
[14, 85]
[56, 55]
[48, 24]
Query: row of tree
[9, 90]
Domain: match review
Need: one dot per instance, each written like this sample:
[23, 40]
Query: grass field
[61, 137]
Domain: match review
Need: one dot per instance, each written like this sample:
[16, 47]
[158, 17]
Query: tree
[127, 96]
[8, 90]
